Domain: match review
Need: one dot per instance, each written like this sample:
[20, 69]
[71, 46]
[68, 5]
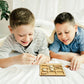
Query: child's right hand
[26, 58]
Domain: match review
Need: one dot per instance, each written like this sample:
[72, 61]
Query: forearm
[82, 58]
[66, 57]
[5, 62]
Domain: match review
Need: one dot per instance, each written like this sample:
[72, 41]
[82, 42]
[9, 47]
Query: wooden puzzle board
[51, 70]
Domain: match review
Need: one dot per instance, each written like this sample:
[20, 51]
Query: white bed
[29, 74]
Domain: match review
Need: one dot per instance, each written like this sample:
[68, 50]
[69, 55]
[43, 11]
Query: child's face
[66, 32]
[23, 34]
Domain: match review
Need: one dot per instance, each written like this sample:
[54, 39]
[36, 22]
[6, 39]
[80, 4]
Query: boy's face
[23, 34]
[66, 32]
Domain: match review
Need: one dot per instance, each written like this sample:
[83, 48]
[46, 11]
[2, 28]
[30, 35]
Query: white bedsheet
[29, 74]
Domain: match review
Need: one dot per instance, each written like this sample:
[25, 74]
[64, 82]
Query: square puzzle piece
[51, 70]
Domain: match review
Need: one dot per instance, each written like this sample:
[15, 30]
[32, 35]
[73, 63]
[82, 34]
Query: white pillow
[79, 17]
[44, 24]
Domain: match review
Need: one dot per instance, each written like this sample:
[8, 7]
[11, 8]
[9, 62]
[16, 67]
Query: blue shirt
[76, 46]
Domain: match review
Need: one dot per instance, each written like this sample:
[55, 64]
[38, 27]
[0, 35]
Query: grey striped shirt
[39, 45]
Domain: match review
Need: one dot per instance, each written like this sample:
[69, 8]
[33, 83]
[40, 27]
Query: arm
[82, 57]
[55, 48]
[20, 59]
[77, 61]
[67, 57]
[5, 62]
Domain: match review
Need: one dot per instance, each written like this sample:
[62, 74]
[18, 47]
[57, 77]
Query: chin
[24, 44]
[67, 43]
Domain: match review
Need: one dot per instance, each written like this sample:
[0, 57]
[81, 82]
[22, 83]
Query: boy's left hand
[40, 59]
[75, 63]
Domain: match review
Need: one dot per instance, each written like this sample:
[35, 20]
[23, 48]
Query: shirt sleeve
[81, 42]
[44, 46]
[5, 49]
[55, 46]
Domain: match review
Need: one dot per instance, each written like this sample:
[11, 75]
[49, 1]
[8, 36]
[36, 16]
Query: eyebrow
[21, 34]
[58, 32]
[24, 34]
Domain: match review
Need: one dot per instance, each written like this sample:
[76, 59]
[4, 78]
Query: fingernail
[71, 68]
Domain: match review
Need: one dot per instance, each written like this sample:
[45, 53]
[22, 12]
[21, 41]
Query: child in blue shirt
[68, 37]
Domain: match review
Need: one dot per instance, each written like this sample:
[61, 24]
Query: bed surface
[29, 74]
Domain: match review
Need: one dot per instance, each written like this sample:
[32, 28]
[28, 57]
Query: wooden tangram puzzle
[51, 70]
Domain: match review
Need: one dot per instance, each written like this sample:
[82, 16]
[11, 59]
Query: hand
[40, 59]
[75, 63]
[26, 58]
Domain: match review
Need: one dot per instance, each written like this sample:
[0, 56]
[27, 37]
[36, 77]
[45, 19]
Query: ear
[11, 30]
[76, 28]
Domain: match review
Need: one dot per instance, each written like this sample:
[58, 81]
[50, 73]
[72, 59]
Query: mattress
[29, 74]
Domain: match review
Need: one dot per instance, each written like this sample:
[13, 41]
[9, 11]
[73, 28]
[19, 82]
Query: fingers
[35, 62]
[28, 58]
[30, 55]
[38, 58]
[41, 59]
[75, 63]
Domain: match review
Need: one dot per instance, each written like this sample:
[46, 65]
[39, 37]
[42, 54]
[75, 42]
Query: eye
[21, 35]
[30, 34]
[59, 33]
[66, 32]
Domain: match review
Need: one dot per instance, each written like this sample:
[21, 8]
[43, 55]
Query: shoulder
[38, 34]
[80, 31]
[10, 39]
[38, 31]
[80, 34]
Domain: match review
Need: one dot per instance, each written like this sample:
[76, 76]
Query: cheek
[18, 38]
[72, 35]
[31, 38]
[59, 37]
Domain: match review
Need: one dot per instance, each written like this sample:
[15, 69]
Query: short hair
[64, 17]
[21, 16]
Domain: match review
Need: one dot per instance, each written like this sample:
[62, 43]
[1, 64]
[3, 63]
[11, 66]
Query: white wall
[4, 23]
[49, 9]
[42, 9]
[46, 10]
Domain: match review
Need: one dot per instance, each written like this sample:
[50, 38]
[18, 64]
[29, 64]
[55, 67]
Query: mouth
[25, 42]
[64, 41]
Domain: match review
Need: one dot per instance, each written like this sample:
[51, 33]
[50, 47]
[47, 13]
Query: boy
[68, 38]
[31, 43]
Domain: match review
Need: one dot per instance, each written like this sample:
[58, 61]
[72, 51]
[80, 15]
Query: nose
[26, 38]
[63, 35]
